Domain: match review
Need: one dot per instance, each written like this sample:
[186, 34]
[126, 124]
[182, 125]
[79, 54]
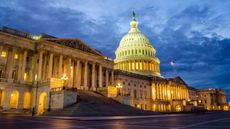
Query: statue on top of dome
[134, 16]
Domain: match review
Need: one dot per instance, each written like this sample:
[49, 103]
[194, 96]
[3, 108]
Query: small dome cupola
[133, 24]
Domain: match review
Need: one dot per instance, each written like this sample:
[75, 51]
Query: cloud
[193, 33]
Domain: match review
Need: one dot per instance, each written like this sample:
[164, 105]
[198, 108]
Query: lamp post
[64, 78]
[119, 87]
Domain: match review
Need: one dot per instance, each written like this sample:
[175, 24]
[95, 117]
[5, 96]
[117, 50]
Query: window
[1, 73]
[15, 56]
[135, 93]
[3, 54]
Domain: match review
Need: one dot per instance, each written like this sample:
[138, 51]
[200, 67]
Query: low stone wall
[62, 99]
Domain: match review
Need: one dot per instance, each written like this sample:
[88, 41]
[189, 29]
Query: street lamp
[64, 78]
[119, 87]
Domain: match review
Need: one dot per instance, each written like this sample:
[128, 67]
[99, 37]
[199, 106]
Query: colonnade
[138, 65]
[163, 91]
[77, 73]
[23, 65]
[17, 63]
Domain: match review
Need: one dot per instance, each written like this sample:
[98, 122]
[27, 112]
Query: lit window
[25, 76]
[3, 54]
[15, 56]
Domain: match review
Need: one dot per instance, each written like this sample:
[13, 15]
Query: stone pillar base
[10, 80]
[93, 89]
[86, 88]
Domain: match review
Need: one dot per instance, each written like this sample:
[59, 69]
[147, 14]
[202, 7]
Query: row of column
[167, 92]
[76, 72]
[138, 65]
[10, 63]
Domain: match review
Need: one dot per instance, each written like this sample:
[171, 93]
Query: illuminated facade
[212, 99]
[142, 82]
[36, 72]
[138, 73]
[34, 68]
[136, 54]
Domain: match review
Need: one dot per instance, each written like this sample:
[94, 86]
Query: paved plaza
[213, 120]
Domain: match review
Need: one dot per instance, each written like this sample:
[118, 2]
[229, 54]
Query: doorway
[42, 103]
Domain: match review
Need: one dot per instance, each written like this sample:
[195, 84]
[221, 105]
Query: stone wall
[62, 99]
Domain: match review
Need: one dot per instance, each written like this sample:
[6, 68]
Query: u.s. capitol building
[45, 72]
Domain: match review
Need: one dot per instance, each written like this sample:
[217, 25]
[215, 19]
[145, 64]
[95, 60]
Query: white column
[23, 65]
[86, 76]
[60, 66]
[34, 67]
[75, 74]
[69, 73]
[100, 76]
[1, 48]
[44, 67]
[112, 77]
[106, 77]
[93, 77]
[10, 64]
[50, 66]
[20, 62]
[40, 65]
[78, 74]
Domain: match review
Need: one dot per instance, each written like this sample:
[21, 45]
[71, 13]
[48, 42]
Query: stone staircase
[94, 104]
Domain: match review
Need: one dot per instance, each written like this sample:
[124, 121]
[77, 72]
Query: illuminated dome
[136, 54]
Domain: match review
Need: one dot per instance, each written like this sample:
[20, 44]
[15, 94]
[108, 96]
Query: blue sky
[193, 33]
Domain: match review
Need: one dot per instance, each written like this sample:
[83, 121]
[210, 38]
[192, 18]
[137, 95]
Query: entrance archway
[178, 108]
[42, 103]
[14, 99]
[2, 94]
[26, 101]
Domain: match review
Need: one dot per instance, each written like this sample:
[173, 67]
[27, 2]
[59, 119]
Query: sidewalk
[86, 118]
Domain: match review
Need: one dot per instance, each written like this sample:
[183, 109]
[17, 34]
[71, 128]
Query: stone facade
[63, 98]
[212, 99]
[30, 67]
[150, 92]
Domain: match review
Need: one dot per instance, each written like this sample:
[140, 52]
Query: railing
[43, 83]
[15, 81]
[3, 80]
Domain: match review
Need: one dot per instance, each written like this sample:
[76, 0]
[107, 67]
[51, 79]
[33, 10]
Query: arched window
[42, 103]
[14, 99]
[2, 94]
